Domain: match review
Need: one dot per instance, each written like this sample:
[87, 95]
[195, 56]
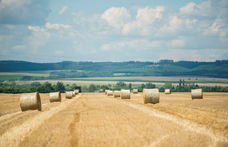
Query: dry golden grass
[95, 119]
[211, 111]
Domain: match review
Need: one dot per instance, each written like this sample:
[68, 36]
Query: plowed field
[94, 119]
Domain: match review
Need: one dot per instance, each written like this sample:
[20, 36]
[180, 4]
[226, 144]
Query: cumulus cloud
[28, 12]
[39, 36]
[56, 26]
[174, 24]
[116, 17]
[144, 18]
[192, 32]
[64, 8]
[204, 9]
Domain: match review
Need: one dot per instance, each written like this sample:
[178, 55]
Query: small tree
[130, 85]
[60, 87]
[150, 85]
[92, 88]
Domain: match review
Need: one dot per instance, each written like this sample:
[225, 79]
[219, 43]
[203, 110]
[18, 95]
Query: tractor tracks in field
[13, 136]
[192, 126]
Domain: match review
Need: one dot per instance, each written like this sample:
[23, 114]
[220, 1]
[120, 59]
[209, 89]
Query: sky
[100, 30]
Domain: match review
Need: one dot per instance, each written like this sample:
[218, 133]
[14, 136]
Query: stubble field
[94, 119]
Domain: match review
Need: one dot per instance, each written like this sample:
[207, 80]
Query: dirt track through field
[93, 119]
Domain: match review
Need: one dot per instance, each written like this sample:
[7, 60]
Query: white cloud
[144, 19]
[56, 26]
[204, 9]
[174, 24]
[64, 8]
[188, 8]
[212, 30]
[146, 16]
[116, 17]
[190, 23]
[19, 47]
[36, 28]
[39, 36]
[59, 52]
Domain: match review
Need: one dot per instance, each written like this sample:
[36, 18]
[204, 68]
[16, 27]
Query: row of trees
[59, 86]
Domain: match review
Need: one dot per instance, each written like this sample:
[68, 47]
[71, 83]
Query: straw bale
[69, 94]
[30, 101]
[150, 96]
[110, 93]
[76, 91]
[106, 91]
[197, 94]
[135, 91]
[73, 93]
[116, 94]
[55, 97]
[100, 90]
[168, 91]
[125, 94]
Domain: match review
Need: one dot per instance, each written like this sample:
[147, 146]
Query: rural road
[94, 119]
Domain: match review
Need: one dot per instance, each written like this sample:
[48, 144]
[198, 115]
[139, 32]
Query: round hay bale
[135, 91]
[110, 93]
[76, 91]
[69, 94]
[55, 97]
[197, 94]
[116, 94]
[125, 94]
[30, 101]
[168, 91]
[150, 96]
[100, 90]
[106, 91]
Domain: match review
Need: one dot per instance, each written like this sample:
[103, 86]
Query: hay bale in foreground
[168, 91]
[110, 93]
[76, 91]
[197, 94]
[125, 94]
[100, 90]
[116, 94]
[69, 94]
[150, 96]
[106, 91]
[30, 101]
[135, 91]
[55, 97]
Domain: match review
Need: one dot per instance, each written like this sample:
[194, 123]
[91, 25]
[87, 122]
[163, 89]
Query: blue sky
[130, 30]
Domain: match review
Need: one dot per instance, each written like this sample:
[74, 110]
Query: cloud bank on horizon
[54, 31]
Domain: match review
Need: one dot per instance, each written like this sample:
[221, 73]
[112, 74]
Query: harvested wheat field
[94, 119]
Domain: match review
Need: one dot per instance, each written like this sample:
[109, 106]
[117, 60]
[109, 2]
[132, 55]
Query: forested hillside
[68, 69]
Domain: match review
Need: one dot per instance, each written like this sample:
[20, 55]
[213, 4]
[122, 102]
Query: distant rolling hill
[130, 68]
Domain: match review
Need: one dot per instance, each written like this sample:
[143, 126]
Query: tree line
[47, 87]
